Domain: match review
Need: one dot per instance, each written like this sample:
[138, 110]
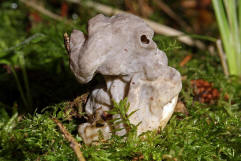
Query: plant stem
[25, 78]
[25, 102]
[230, 6]
[228, 25]
[239, 54]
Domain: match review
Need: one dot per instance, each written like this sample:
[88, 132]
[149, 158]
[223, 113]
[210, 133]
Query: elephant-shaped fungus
[122, 50]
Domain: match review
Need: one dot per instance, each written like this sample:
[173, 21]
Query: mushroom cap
[119, 45]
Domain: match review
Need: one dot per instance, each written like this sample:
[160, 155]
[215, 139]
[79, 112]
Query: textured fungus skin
[122, 50]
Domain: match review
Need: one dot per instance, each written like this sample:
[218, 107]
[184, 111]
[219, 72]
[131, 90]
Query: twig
[185, 60]
[170, 13]
[158, 28]
[73, 143]
[44, 11]
[222, 57]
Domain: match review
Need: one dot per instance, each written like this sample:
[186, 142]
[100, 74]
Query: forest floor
[36, 85]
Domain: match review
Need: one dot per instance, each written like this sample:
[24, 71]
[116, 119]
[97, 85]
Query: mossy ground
[209, 132]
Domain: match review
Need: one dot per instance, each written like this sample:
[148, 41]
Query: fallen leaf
[180, 107]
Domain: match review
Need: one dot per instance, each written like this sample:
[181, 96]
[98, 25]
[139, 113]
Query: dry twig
[185, 60]
[222, 57]
[44, 11]
[158, 28]
[170, 13]
[73, 143]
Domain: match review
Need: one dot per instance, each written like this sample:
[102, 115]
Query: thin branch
[158, 28]
[44, 11]
[222, 57]
[73, 143]
[185, 60]
[165, 8]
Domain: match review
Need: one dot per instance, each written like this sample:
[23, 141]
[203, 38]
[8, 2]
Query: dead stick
[222, 57]
[44, 11]
[170, 13]
[158, 28]
[185, 60]
[73, 143]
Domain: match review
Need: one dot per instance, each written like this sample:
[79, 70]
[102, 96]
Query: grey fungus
[132, 67]
[144, 39]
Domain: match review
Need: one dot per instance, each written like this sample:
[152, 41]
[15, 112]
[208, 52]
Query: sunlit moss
[209, 132]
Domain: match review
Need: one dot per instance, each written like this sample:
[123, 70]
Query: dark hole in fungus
[144, 39]
[99, 124]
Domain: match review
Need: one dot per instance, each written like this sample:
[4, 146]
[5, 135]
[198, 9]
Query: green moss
[209, 132]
